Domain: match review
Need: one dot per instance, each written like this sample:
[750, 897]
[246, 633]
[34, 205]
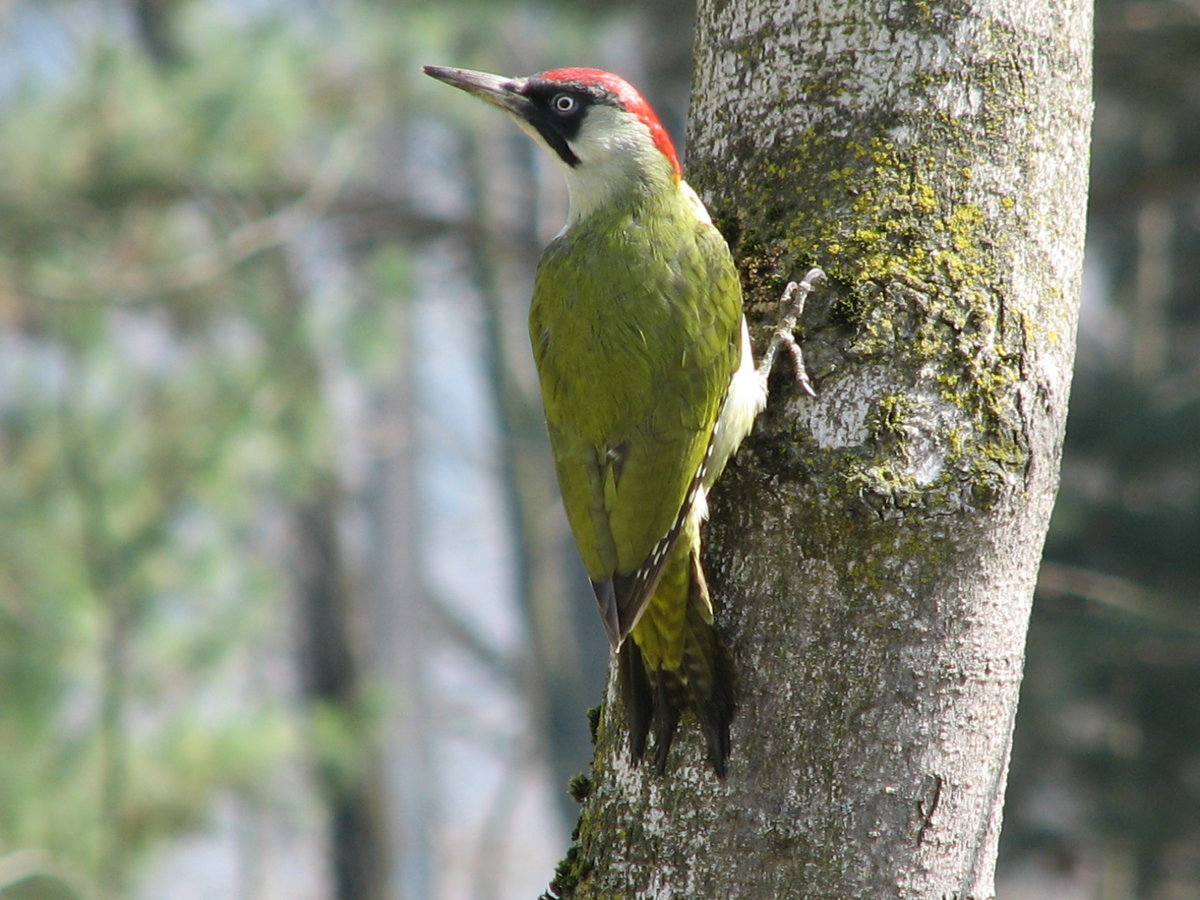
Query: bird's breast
[611, 328]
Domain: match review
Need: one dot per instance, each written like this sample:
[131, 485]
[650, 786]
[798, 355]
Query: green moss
[881, 481]
[916, 287]
[886, 420]
[574, 868]
[593, 718]
[568, 875]
[579, 787]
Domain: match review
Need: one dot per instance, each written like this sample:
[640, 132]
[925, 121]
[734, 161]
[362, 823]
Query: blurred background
[288, 608]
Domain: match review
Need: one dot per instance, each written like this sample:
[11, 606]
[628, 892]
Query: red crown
[628, 97]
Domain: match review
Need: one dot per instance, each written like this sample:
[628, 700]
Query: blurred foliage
[1105, 782]
[161, 402]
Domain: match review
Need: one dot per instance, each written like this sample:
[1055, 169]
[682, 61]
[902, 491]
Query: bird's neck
[626, 184]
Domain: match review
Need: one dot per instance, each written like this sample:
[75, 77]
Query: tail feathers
[711, 676]
[637, 696]
[709, 669]
[669, 701]
[655, 698]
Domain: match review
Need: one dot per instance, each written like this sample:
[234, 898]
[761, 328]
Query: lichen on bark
[915, 246]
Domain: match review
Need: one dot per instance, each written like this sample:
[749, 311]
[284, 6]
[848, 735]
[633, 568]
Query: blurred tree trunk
[155, 21]
[398, 625]
[874, 550]
[554, 609]
[330, 651]
[347, 764]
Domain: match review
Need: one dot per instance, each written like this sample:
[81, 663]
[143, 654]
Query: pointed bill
[495, 89]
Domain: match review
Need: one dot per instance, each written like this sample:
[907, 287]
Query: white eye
[564, 104]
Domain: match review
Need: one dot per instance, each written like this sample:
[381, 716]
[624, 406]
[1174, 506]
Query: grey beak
[495, 89]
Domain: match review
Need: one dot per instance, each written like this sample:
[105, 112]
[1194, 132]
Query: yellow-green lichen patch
[916, 285]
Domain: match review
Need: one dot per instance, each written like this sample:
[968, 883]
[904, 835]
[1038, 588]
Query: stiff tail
[664, 672]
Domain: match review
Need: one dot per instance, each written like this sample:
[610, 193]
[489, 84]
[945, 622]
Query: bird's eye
[564, 104]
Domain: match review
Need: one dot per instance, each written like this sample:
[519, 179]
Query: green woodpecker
[647, 380]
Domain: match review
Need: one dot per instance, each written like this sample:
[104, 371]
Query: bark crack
[927, 807]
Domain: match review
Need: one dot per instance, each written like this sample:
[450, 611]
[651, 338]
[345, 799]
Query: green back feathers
[635, 329]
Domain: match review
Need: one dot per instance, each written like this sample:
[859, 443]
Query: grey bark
[874, 550]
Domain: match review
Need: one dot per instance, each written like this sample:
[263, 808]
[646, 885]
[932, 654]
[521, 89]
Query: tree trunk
[874, 550]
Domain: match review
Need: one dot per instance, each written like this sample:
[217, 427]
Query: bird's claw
[791, 308]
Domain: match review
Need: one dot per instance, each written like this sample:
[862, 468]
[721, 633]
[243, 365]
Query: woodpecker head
[606, 136]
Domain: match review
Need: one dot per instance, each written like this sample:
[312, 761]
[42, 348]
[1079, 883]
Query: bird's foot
[791, 308]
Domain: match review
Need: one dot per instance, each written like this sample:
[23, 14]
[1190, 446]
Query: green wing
[635, 331]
